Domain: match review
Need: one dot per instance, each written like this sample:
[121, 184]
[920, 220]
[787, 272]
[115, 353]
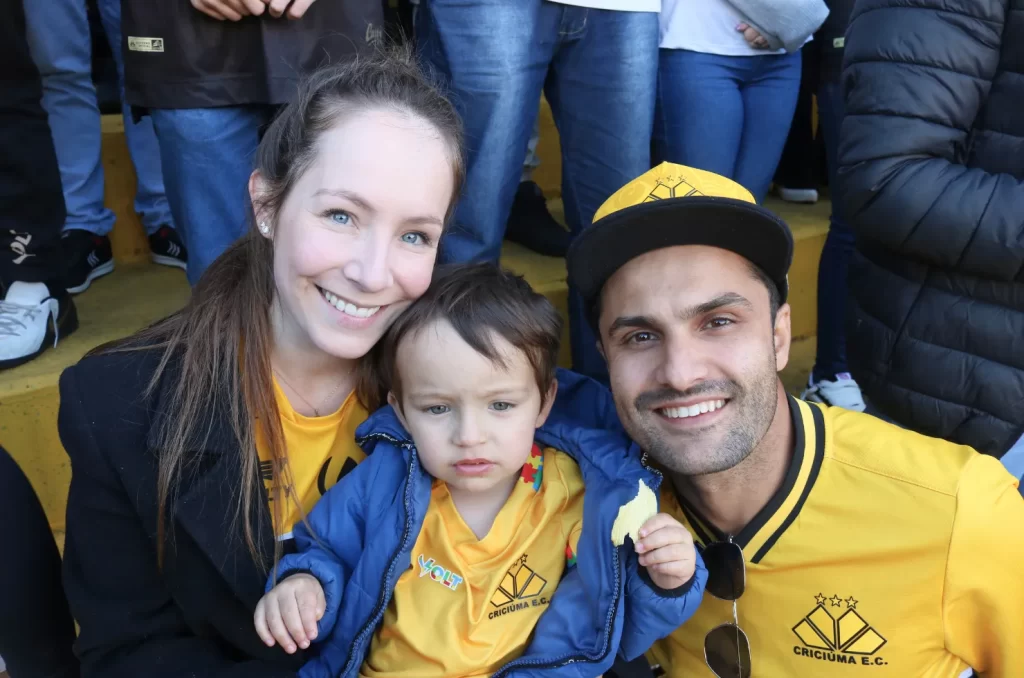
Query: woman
[725, 102]
[180, 437]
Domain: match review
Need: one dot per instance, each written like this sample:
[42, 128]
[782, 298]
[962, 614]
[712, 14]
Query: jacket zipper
[385, 595]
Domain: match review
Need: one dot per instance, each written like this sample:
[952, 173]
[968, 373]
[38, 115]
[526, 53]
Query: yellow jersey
[885, 553]
[321, 451]
[468, 606]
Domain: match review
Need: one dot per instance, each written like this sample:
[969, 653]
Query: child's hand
[290, 611]
[666, 550]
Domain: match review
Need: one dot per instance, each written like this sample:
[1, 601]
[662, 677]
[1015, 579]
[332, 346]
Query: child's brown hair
[480, 301]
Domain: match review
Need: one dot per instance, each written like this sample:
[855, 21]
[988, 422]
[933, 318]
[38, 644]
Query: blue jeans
[835, 256]
[207, 159]
[1014, 459]
[598, 69]
[726, 114]
[58, 36]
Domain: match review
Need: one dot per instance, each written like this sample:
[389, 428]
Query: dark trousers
[36, 630]
[31, 200]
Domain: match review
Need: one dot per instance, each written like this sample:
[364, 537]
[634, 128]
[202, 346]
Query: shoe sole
[168, 261]
[65, 326]
[98, 272]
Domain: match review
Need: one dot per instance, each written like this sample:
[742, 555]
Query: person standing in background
[830, 381]
[60, 42]
[596, 62]
[931, 167]
[211, 74]
[35, 309]
[725, 101]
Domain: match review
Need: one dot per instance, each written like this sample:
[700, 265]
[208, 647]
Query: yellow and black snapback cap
[674, 205]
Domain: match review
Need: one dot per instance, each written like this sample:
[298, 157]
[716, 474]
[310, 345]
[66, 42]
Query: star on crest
[820, 599]
[836, 601]
[851, 604]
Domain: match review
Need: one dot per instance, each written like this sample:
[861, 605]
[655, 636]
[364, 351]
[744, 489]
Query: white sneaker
[807, 196]
[843, 392]
[30, 320]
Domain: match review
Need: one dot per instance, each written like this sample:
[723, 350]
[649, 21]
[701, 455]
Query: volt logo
[438, 573]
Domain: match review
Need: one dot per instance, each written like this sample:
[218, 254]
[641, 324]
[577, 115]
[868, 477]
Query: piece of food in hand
[633, 514]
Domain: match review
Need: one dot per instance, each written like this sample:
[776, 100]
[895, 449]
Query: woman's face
[356, 238]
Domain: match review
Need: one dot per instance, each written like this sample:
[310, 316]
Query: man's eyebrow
[647, 323]
[727, 299]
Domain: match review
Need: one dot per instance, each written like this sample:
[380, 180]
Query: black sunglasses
[726, 647]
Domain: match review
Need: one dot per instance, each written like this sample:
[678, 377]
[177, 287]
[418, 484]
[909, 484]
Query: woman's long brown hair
[220, 343]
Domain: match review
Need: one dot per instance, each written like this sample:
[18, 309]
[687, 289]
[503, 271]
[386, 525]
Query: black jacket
[193, 618]
[829, 40]
[177, 57]
[932, 170]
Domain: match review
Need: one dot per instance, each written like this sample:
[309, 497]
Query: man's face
[693, 356]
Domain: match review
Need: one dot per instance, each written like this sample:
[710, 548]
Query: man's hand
[230, 10]
[666, 550]
[296, 11]
[753, 38]
[289, 612]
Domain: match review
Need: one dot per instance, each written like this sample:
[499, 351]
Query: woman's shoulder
[106, 376]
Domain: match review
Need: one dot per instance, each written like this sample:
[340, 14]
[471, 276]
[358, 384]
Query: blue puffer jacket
[368, 524]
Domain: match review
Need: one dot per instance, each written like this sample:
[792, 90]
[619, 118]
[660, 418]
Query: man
[61, 45]
[932, 171]
[211, 75]
[35, 309]
[834, 541]
[597, 63]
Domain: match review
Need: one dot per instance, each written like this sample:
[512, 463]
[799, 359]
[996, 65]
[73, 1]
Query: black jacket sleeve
[917, 74]
[130, 626]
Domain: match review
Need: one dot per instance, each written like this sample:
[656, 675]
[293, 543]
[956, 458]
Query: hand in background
[230, 10]
[752, 36]
[288, 613]
[666, 550]
[296, 11]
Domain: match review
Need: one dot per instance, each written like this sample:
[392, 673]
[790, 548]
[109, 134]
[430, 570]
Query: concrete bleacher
[138, 293]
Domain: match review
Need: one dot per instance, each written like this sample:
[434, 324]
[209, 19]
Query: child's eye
[502, 406]
[438, 409]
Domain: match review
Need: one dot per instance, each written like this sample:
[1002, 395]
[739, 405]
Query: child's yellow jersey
[885, 554]
[469, 605]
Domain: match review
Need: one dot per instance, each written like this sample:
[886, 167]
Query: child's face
[473, 422]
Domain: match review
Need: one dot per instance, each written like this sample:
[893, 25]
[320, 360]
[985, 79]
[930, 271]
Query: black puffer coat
[932, 168]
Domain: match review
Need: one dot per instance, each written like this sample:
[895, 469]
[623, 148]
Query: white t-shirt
[707, 26]
[617, 5]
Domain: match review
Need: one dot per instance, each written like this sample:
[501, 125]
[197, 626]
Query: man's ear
[549, 400]
[258, 192]
[783, 336]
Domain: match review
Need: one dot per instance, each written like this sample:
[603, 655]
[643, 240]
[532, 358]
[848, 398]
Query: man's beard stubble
[697, 453]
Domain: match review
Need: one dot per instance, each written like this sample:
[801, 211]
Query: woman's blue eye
[437, 409]
[502, 406]
[342, 218]
[416, 238]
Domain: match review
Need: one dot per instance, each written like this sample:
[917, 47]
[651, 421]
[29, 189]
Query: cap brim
[749, 230]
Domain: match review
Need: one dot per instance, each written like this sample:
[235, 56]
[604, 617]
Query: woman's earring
[264, 229]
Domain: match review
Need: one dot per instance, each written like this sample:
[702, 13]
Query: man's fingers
[224, 9]
[260, 619]
[666, 554]
[255, 7]
[298, 8]
[277, 7]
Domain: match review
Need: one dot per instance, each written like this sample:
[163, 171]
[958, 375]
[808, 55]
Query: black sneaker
[87, 257]
[531, 225]
[165, 247]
